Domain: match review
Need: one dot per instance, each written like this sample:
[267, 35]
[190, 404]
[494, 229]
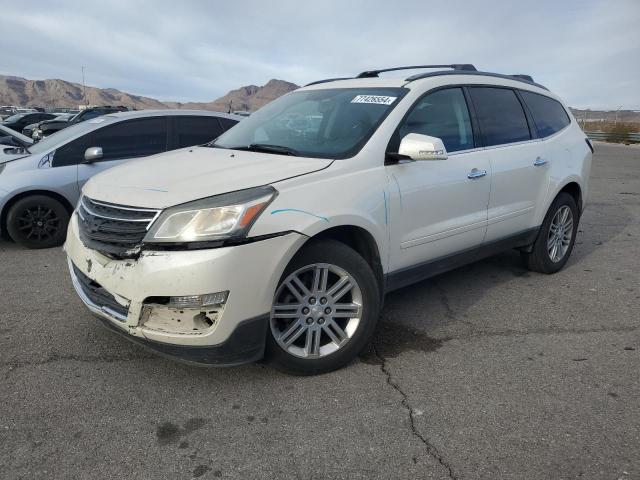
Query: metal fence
[614, 137]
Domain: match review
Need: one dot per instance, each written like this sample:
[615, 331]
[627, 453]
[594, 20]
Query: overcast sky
[587, 51]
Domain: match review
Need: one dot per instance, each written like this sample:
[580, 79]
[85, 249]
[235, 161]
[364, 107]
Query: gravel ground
[488, 371]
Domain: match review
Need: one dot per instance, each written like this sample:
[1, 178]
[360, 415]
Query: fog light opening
[202, 320]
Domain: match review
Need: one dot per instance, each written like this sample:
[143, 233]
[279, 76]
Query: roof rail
[326, 80]
[518, 78]
[528, 78]
[455, 66]
[456, 69]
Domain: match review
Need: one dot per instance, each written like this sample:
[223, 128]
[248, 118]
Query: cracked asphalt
[488, 371]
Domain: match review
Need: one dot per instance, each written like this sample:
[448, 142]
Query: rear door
[195, 130]
[441, 204]
[121, 142]
[519, 172]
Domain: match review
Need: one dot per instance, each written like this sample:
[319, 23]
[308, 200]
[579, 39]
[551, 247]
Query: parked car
[6, 111]
[63, 118]
[20, 120]
[12, 139]
[39, 185]
[282, 236]
[83, 115]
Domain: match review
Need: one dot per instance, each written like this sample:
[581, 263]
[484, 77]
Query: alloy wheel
[560, 234]
[38, 223]
[316, 311]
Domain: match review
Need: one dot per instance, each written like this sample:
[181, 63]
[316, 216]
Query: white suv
[281, 237]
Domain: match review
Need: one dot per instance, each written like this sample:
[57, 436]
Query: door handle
[540, 161]
[475, 173]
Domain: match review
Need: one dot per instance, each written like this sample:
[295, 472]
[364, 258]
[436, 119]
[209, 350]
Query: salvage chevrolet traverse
[281, 237]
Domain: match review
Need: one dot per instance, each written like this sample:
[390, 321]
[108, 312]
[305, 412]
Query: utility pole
[84, 92]
[617, 113]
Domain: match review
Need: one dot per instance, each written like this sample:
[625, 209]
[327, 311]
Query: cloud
[586, 51]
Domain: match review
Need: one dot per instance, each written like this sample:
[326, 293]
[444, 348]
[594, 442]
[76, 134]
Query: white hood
[180, 176]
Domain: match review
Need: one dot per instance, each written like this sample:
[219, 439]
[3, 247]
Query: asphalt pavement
[488, 371]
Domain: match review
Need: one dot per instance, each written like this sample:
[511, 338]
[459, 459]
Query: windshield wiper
[268, 148]
[258, 147]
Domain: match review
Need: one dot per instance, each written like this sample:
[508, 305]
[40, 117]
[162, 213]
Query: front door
[438, 207]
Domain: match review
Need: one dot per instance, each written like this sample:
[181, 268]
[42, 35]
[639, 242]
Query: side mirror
[422, 147]
[92, 154]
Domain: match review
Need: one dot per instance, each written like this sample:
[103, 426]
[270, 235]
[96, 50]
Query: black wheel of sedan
[556, 238]
[38, 221]
[324, 311]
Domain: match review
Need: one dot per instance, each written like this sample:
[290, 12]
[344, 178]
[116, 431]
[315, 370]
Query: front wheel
[325, 310]
[38, 221]
[556, 238]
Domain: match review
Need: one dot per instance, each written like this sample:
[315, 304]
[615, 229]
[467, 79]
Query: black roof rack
[455, 66]
[519, 77]
[456, 69]
[528, 78]
[328, 80]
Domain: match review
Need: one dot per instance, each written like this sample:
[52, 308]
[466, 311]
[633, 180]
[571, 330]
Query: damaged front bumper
[136, 297]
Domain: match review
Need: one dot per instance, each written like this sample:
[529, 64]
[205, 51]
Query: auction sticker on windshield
[377, 99]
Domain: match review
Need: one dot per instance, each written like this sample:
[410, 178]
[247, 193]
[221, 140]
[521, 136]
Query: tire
[38, 221]
[540, 258]
[328, 333]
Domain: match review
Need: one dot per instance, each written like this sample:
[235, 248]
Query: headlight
[215, 218]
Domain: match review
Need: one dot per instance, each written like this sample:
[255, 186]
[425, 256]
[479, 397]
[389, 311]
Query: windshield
[61, 137]
[326, 123]
[15, 117]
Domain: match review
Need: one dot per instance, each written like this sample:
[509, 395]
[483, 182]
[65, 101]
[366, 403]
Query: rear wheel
[556, 238]
[38, 221]
[325, 310]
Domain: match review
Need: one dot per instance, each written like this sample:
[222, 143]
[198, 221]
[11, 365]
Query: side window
[548, 114]
[129, 139]
[190, 131]
[227, 123]
[91, 114]
[441, 114]
[70, 154]
[500, 115]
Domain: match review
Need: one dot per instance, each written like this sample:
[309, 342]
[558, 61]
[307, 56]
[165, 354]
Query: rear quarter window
[548, 114]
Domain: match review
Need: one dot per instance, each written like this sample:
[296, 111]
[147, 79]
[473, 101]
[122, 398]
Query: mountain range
[60, 93]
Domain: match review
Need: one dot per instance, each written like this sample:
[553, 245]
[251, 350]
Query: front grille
[114, 230]
[99, 297]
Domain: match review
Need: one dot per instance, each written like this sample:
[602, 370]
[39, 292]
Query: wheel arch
[574, 189]
[360, 240]
[28, 193]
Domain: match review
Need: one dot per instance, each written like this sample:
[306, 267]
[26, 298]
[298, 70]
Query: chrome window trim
[503, 145]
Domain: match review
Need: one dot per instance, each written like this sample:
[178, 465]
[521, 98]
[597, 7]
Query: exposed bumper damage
[144, 298]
